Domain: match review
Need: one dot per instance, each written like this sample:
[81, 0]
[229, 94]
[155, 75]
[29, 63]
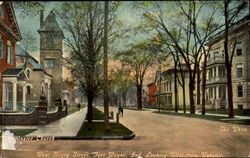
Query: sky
[32, 23]
[128, 15]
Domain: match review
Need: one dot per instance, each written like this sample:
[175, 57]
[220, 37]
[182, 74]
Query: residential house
[12, 79]
[165, 91]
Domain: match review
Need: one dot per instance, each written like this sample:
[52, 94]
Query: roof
[232, 28]
[12, 72]
[50, 24]
[14, 31]
[21, 52]
[15, 72]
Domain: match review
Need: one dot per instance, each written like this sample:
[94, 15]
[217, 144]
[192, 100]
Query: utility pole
[159, 93]
[105, 65]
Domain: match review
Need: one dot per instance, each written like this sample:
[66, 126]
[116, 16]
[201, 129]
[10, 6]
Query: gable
[9, 23]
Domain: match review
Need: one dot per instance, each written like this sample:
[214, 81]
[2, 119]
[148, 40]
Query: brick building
[10, 76]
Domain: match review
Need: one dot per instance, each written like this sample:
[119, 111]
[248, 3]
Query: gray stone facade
[51, 45]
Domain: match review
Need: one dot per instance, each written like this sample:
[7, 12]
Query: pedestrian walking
[120, 111]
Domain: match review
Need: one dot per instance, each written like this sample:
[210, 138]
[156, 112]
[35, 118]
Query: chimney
[41, 18]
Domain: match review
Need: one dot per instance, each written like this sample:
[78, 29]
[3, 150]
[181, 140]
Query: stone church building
[51, 55]
[46, 76]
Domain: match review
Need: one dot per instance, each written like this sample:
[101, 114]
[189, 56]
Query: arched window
[28, 73]
[28, 90]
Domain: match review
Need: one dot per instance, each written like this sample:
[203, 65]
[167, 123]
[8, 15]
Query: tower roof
[50, 24]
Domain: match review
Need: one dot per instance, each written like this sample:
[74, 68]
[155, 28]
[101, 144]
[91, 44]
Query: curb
[129, 137]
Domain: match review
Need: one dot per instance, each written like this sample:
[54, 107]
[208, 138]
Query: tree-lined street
[157, 133]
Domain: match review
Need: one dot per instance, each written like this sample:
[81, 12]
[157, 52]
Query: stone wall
[39, 117]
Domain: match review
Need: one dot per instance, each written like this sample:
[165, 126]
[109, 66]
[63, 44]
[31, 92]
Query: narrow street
[156, 133]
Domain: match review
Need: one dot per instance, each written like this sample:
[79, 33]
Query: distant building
[216, 87]
[151, 94]
[165, 93]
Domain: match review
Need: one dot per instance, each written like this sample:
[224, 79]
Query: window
[223, 53]
[240, 107]
[240, 91]
[239, 70]
[216, 54]
[239, 49]
[10, 54]
[28, 90]
[49, 63]
[50, 43]
[28, 73]
[1, 49]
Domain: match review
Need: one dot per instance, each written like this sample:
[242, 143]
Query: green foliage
[28, 41]
[29, 8]
[120, 80]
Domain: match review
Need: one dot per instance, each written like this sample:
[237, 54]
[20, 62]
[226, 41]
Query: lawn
[245, 112]
[72, 108]
[99, 129]
[97, 114]
[208, 117]
[21, 132]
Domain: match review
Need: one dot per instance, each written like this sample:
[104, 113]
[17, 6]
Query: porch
[14, 91]
[216, 96]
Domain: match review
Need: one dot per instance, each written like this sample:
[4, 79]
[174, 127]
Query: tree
[229, 18]
[184, 30]
[105, 64]
[84, 24]
[120, 82]
[31, 8]
[139, 58]
[28, 44]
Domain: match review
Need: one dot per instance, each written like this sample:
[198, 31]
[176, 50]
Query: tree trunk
[198, 98]
[204, 85]
[105, 65]
[124, 99]
[184, 95]
[191, 93]
[228, 64]
[90, 106]
[175, 87]
[139, 96]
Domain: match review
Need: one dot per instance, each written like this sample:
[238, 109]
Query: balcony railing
[216, 59]
[216, 80]
[8, 107]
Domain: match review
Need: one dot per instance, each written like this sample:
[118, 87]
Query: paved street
[157, 133]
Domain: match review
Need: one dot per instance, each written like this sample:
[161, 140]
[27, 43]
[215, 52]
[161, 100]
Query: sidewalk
[236, 117]
[67, 126]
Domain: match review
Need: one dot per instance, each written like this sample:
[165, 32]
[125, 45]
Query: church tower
[51, 44]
